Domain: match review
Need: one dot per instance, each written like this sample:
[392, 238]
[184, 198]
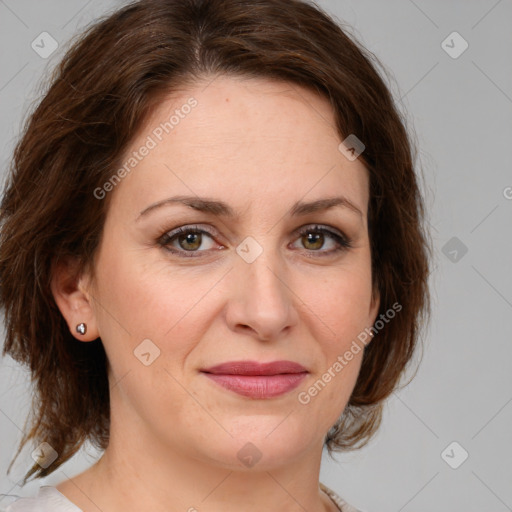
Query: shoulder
[48, 499]
[338, 500]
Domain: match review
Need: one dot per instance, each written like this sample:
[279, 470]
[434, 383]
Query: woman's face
[246, 286]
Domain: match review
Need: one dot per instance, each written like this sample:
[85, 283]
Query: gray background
[461, 109]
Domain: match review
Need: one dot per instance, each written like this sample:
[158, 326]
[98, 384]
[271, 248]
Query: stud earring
[81, 328]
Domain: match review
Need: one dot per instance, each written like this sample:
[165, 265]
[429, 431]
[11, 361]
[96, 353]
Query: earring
[81, 328]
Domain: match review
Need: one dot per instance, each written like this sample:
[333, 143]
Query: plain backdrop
[456, 90]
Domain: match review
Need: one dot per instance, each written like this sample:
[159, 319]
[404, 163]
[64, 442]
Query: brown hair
[100, 95]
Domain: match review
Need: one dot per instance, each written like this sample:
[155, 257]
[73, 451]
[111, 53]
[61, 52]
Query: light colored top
[49, 499]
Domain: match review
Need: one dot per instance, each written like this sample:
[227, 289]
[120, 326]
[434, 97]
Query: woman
[212, 258]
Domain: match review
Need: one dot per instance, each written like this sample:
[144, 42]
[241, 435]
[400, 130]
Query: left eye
[316, 237]
[190, 239]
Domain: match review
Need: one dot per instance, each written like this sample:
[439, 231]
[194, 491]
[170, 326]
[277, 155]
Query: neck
[140, 471]
[132, 475]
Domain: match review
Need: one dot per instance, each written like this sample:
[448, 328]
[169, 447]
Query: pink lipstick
[257, 380]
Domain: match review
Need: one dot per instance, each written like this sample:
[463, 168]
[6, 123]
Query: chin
[262, 445]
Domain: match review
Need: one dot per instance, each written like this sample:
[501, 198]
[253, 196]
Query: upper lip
[255, 368]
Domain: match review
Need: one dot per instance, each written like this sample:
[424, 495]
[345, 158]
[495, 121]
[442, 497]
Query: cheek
[144, 299]
[340, 303]
[140, 301]
[338, 311]
[327, 394]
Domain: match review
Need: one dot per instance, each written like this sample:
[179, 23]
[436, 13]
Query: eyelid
[317, 227]
[341, 239]
[165, 238]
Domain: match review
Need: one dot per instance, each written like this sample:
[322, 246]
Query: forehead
[251, 142]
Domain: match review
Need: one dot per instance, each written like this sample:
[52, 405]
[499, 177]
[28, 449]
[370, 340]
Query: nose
[262, 301]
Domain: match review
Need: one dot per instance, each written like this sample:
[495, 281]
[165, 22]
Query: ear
[70, 291]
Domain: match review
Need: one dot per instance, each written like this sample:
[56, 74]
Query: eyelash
[167, 237]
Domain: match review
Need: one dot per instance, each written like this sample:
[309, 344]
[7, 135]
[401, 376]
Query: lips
[257, 380]
[255, 368]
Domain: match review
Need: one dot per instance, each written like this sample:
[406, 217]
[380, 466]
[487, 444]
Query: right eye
[189, 239]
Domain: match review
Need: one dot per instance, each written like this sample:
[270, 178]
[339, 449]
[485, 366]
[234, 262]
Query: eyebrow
[221, 209]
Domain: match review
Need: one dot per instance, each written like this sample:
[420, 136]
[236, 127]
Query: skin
[259, 146]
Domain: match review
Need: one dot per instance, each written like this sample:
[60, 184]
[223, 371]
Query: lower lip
[259, 386]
